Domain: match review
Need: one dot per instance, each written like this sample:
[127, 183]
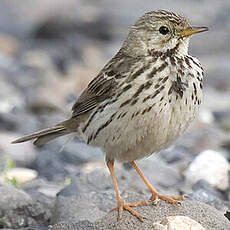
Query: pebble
[178, 223]
[8, 44]
[210, 166]
[21, 175]
[206, 116]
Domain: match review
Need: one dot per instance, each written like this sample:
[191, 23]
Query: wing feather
[97, 90]
[105, 84]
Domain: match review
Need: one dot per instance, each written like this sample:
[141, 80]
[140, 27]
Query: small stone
[8, 44]
[210, 166]
[21, 175]
[178, 223]
[206, 116]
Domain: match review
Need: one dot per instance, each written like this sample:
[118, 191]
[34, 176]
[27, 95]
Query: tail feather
[48, 137]
[44, 136]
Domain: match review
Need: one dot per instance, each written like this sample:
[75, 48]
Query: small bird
[141, 101]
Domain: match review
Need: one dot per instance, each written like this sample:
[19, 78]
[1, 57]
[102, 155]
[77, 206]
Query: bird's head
[160, 31]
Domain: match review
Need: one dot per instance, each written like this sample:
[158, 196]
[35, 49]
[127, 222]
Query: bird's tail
[44, 136]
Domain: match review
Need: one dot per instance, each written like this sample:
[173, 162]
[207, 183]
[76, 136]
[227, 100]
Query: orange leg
[155, 195]
[121, 205]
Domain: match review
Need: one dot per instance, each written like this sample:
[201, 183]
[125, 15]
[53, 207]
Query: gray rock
[204, 192]
[210, 193]
[99, 180]
[221, 205]
[174, 154]
[218, 76]
[107, 200]
[197, 140]
[49, 164]
[72, 189]
[223, 119]
[94, 176]
[74, 209]
[42, 190]
[74, 203]
[204, 214]
[15, 120]
[57, 28]
[17, 209]
[160, 174]
[77, 153]
[46, 201]
[92, 206]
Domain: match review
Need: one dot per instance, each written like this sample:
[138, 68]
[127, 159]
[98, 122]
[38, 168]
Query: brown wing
[98, 90]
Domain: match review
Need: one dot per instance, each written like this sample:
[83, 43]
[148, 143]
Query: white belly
[132, 137]
[132, 132]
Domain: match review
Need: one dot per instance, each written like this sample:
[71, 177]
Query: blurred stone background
[49, 51]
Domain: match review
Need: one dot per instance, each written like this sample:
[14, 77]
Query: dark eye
[163, 30]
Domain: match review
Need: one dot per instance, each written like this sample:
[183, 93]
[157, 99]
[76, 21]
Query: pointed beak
[192, 30]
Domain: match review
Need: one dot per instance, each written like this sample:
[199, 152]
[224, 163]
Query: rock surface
[75, 210]
[208, 217]
[81, 225]
[73, 205]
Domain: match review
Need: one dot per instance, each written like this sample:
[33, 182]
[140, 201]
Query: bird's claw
[128, 207]
[170, 199]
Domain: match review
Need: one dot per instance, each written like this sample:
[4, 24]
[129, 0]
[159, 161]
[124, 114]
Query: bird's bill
[192, 30]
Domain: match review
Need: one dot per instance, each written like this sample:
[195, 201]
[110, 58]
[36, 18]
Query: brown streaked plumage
[141, 101]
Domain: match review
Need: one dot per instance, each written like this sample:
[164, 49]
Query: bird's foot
[121, 205]
[170, 199]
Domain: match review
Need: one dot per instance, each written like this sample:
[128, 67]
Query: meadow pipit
[141, 101]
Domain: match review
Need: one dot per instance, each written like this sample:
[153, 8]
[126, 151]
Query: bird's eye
[163, 30]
